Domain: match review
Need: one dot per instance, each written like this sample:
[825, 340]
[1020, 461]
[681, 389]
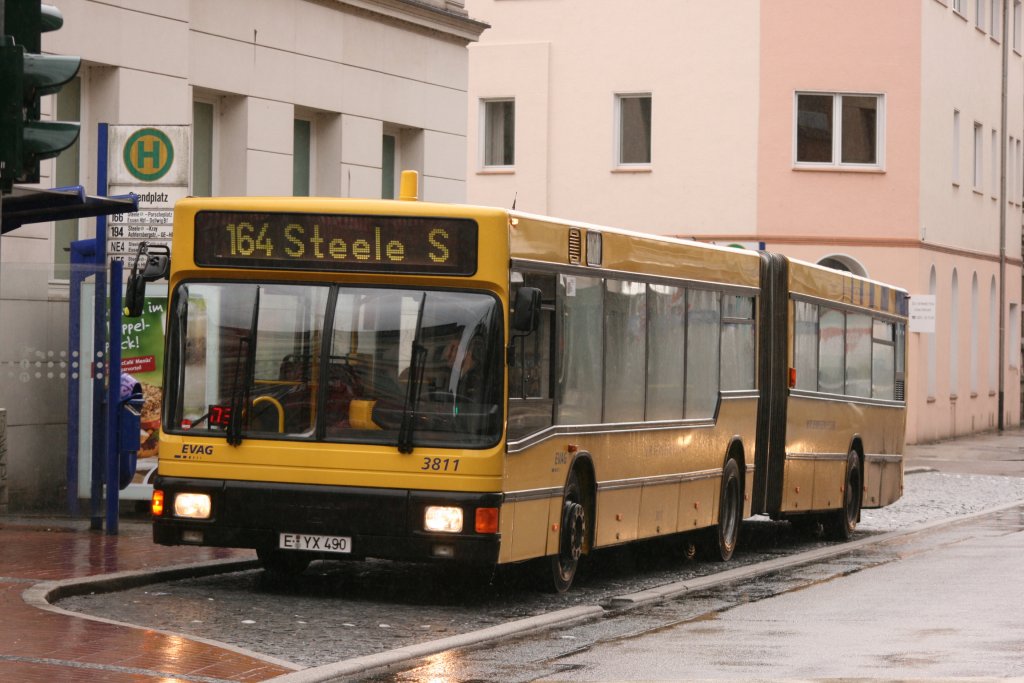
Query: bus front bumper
[382, 523]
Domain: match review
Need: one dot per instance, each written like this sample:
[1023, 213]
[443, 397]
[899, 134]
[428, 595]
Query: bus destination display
[338, 242]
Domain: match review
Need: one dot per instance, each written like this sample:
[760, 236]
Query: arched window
[954, 335]
[844, 263]
[974, 335]
[993, 335]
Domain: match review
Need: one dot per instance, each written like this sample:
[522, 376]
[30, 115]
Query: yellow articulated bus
[399, 379]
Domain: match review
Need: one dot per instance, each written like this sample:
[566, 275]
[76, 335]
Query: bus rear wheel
[572, 535]
[842, 522]
[730, 513]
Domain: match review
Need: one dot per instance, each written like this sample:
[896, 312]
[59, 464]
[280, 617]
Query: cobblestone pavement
[341, 610]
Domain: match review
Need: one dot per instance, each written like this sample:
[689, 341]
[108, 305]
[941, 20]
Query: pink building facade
[868, 136]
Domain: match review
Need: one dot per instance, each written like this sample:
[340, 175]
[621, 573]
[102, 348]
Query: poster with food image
[142, 356]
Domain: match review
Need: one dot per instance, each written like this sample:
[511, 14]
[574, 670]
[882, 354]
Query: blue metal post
[114, 398]
[100, 362]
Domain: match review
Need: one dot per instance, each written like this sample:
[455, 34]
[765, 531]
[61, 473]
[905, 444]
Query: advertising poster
[142, 357]
[142, 351]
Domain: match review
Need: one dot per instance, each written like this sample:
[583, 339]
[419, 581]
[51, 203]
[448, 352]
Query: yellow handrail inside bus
[277, 404]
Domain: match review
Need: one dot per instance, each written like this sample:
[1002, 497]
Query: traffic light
[25, 77]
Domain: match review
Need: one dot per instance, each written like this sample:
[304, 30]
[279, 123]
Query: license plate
[322, 544]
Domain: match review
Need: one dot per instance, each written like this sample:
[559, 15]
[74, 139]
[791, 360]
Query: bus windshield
[335, 363]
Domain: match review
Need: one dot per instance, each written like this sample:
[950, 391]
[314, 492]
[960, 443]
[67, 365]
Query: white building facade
[308, 97]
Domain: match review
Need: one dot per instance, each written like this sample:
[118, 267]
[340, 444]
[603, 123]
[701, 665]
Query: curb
[42, 595]
[357, 665]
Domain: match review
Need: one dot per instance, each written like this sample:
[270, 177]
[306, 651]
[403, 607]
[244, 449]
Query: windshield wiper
[412, 391]
[240, 391]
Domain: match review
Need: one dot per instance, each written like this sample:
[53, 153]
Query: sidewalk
[989, 453]
[40, 556]
[50, 645]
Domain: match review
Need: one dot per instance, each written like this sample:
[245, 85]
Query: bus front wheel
[572, 534]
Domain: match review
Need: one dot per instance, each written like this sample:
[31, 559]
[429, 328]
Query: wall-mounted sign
[922, 313]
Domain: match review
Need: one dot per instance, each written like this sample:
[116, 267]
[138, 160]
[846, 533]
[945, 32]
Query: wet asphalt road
[942, 604]
[337, 611]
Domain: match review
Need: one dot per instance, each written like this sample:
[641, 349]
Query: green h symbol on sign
[153, 153]
[148, 154]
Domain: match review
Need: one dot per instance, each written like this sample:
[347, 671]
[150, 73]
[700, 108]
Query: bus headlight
[440, 518]
[192, 505]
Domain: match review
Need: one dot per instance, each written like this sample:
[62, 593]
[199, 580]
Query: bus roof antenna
[409, 189]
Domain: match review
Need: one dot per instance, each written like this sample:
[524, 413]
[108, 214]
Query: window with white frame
[1014, 353]
[839, 129]
[1015, 187]
[499, 132]
[68, 103]
[979, 13]
[1010, 170]
[204, 118]
[978, 157]
[958, 6]
[1016, 25]
[994, 163]
[633, 129]
[956, 147]
[996, 19]
[302, 136]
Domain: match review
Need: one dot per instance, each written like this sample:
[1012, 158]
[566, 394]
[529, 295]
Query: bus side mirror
[526, 313]
[152, 263]
[134, 296]
[157, 265]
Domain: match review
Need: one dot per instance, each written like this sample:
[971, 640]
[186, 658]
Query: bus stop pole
[100, 362]
[114, 398]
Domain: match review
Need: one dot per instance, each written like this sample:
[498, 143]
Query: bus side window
[529, 373]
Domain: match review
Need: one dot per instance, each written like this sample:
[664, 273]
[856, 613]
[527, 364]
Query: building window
[69, 108]
[1015, 188]
[835, 129]
[958, 6]
[301, 158]
[633, 129]
[499, 133]
[1016, 25]
[996, 10]
[979, 17]
[1010, 168]
[956, 147]
[977, 167]
[1013, 355]
[993, 163]
[387, 169]
[202, 149]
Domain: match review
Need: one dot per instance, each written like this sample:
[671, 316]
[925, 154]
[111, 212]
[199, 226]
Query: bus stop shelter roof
[37, 205]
